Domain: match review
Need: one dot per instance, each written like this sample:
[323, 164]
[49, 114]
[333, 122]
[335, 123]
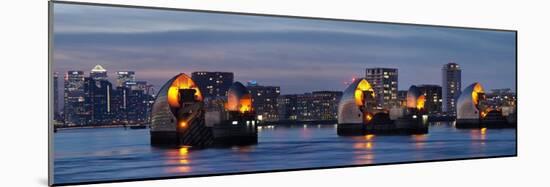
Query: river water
[92, 155]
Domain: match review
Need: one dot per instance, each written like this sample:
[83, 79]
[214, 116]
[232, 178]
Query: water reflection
[479, 137]
[363, 145]
[243, 149]
[305, 132]
[364, 149]
[128, 154]
[243, 152]
[178, 160]
[364, 159]
[364, 142]
[419, 141]
[479, 134]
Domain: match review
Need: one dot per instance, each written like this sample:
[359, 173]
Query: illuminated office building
[451, 86]
[264, 101]
[74, 108]
[124, 76]
[98, 73]
[213, 84]
[384, 82]
[433, 98]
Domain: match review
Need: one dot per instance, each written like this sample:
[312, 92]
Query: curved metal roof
[238, 89]
[181, 81]
[352, 100]
[415, 98]
[412, 96]
[467, 103]
[238, 98]
[167, 101]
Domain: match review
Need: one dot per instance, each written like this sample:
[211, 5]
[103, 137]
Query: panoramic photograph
[143, 93]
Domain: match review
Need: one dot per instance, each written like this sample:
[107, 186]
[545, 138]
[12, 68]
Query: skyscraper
[319, 105]
[98, 100]
[264, 101]
[138, 106]
[451, 86]
[75, 112]
[120, 104]
[138, 85]
[287, 107]
[213, 84]
[56, 111]
[432, 94]
[124, 76]
[384, 81]
[325, 104]
[304, 107]
[98, 73]
[131, 104]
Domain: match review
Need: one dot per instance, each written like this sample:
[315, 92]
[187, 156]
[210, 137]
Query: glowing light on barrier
[245, 104]
[183, 124]
[420, 102]
[485, 112]
[361, 87]
[368, 117]
[477, 93]
[181, 82]
[239, 99]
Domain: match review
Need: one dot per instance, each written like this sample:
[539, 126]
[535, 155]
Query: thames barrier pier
[178, 115]
[472, 112]
[182, 116]
[415, 118]
[358, 114]
[233, 121]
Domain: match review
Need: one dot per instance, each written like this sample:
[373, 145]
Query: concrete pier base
[490, 124]
[195, 134]
[350, 129]
[164, 138]
[467, 123]
[229, 134]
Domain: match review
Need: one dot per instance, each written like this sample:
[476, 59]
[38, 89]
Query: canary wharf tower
[452, 78]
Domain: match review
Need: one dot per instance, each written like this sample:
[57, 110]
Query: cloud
[299, 55]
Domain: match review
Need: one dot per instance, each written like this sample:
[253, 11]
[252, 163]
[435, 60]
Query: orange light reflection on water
[364, 149]
[362, 144]
[305, 132]
[179, 158]
[479, 134]
[364, 159]
[184, 151]
[369, 137]
[419, 140]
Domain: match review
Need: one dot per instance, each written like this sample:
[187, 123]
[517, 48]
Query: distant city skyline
[299, 55]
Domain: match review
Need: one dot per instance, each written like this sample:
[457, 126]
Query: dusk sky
[299, 55]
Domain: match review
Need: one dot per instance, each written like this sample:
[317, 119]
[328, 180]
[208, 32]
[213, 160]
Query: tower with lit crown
[451, 84]
[98, 73]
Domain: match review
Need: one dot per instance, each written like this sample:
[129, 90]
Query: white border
[24, 92]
